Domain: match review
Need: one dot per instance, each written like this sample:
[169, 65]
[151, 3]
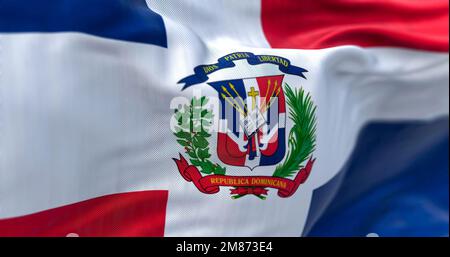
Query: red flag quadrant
[316, 24]
[140, 213]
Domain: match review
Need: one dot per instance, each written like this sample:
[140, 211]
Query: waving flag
[223, 118]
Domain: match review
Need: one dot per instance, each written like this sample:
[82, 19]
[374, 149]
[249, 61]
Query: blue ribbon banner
[201, 72]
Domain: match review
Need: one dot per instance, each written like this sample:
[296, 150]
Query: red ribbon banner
[243, 184]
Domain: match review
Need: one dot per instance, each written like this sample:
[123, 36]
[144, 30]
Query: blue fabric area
[395, 184]
[129, 20]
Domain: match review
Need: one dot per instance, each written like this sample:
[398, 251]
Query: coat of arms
[251, 130]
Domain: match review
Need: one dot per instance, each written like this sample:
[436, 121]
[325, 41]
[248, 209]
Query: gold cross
[253, 94]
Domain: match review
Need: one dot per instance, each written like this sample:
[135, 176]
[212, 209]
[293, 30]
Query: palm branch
[301, 139]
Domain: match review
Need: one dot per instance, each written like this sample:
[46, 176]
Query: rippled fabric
[88, 90]
[316, 24]
[395, 184]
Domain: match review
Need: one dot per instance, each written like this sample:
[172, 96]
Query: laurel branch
[194, 122]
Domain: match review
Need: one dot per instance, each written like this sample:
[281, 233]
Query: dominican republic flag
[336, 123]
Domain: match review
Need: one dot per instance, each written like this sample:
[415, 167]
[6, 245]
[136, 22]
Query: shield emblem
[252, 121]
